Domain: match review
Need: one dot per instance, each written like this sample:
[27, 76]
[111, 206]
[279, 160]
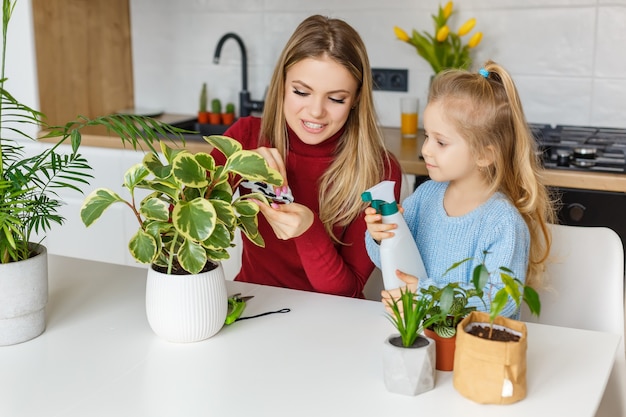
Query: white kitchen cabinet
[107, 239]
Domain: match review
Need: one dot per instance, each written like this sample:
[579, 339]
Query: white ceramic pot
[409, 371]
[186, 308]
[23, 298]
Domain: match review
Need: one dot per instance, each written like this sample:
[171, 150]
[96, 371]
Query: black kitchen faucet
[246, 105]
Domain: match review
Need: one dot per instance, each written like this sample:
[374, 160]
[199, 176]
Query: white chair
[584, 288]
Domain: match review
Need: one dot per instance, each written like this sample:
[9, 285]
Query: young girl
[319, 131]
[484, 194]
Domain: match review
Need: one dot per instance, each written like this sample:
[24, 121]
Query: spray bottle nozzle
[382, 198]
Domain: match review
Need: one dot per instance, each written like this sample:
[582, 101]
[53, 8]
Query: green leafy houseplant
[447, 307]
[29, 202]
[190, 215]
[513, 288]
[444, 48]
[409, 314]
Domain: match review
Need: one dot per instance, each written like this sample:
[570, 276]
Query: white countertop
[99, 357]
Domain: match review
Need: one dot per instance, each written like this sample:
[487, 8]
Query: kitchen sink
[201, 129]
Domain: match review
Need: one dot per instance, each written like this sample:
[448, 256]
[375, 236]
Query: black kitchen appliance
[581, 148]
[586, 149]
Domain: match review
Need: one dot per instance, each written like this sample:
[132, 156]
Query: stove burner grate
[582, 148]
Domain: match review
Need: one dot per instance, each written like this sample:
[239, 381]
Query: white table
[98, 357]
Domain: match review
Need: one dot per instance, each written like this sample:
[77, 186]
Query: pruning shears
[236, 305]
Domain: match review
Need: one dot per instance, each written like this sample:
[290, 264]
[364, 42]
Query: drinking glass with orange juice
[408, 121]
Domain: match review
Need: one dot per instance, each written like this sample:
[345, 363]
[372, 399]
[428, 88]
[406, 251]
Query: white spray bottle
[400, 251]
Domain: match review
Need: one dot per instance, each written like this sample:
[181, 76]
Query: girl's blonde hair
[486, 110]
[360, 159]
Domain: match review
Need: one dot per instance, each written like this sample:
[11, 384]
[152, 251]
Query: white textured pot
[186, 308]
[409, 371]
[23, 298]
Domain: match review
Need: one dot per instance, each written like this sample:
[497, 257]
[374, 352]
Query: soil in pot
[419, 342]
[499, 335]
[178, 270]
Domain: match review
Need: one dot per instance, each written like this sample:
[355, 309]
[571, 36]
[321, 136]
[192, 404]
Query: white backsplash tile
[565, 55]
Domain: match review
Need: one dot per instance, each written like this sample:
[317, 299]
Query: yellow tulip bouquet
[445, 49]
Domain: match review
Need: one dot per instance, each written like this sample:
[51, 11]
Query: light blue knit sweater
[496, 227]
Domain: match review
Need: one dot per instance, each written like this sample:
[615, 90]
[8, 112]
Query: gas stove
[581, 148]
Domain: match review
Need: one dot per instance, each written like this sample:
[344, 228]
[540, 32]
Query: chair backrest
[584, 280]
[584, 288]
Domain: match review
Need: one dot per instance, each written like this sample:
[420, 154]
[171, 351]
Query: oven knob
[563, 158]
[576, 211]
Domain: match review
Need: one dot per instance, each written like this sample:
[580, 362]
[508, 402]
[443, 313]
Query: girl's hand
[375, 226]
[388, 296]
[274, 160]
[287, 220]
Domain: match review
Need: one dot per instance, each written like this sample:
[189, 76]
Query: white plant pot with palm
[186, 225]
[29, 203]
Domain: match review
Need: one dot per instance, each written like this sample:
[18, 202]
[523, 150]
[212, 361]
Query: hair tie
[483, 72]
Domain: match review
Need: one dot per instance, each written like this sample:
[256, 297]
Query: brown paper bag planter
[490, 371]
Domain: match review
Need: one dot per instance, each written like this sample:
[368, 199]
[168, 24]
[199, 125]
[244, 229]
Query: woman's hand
[375, 226]
[388, 296]
[274, 160]
[287, 220]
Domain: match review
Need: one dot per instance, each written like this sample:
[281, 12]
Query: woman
[319, 131]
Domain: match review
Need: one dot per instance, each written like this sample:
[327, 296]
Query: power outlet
[388, 79]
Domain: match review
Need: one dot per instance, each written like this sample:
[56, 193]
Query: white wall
[21, 68]
[567, 56]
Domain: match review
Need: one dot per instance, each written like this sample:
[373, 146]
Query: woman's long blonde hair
[486, 110]
[360, 160]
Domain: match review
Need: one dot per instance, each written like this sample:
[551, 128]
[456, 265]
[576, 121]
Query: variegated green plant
[191, 215]
[449, 306]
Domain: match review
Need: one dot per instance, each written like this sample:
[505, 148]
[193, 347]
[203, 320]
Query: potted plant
[29, 204]
[203, 112]
[495, 342]
[409, 356]
[228, 117]
[186, 223]
[443, 48]
[215, 118]
[448, 306]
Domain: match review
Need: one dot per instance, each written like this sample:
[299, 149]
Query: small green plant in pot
[409, 358]
[498, 343]
[215, 117]
[513, 288]
[447, 307]
[409, 315]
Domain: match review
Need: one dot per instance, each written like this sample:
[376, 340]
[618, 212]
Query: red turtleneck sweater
[312, 261]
